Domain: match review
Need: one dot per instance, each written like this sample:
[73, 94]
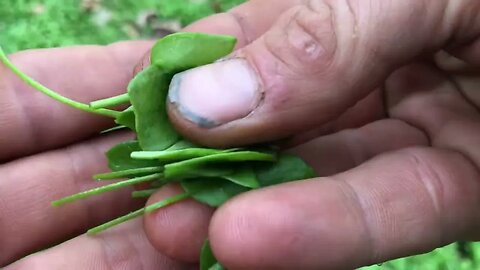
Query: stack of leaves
[159, 155]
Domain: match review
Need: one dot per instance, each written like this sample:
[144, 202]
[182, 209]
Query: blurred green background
[26, 24]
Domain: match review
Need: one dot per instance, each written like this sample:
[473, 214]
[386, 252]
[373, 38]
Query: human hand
[50, 150]
[399, 149]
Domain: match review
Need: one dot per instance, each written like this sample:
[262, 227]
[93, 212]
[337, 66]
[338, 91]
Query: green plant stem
[159, 184]
[144, 193]
[33, 83]
[166, 202]
[120, 127]
[106, 188]
[115, 222]
[110, 102]
[139, 212]
[177, 169]
[125, 173]
[169, 155]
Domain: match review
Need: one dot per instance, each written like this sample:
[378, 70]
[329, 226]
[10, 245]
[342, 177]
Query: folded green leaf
[188, 167]
[148, 94]
[244, 176]
[212, 191]
[287, 168]
[182, 144]
[205, 170]
[119, 157]
[182, 51]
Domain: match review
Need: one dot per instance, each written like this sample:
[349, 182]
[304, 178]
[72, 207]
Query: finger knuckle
[448, 179]
[308, 43]
[428, 173]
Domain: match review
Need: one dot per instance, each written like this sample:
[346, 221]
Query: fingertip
[234, 232]
[299, 225]
[257, 231]
[178, 230]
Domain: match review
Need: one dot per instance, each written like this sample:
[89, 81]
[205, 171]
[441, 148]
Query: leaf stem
[33, 83]
[106, 188]
[116, 221]
[168, 155]
[190, 166]
[129, 172]
[139, 212]
[159, 184]
[144, 193]
[166, 202]
[110, 102]
[119, 127]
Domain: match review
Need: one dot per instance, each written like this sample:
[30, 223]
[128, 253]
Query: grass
[26, 24]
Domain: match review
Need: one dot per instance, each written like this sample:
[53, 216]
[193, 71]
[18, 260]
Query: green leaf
[287, 168]
[182, 51]
[127, 118]
[182, 144]
[212, 191]
[188, 167]
[207, 259]
[119, 157]
[207, 170]
[148, 94]
[244, 176]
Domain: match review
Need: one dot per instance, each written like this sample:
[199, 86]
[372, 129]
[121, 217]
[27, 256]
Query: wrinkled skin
[396, 144]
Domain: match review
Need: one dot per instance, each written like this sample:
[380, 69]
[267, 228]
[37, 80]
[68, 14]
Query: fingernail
[216, 94]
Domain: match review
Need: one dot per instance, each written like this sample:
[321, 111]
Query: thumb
[316, 61]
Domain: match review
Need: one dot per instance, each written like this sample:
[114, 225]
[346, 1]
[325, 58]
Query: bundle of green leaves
[159, 155]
